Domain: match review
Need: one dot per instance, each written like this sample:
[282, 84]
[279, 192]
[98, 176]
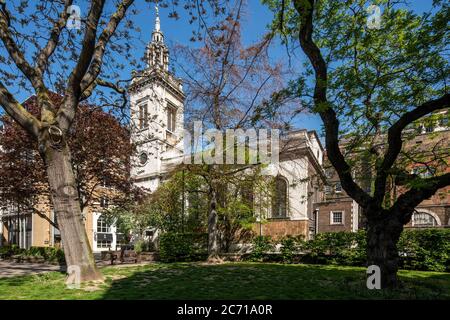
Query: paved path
[12, 269]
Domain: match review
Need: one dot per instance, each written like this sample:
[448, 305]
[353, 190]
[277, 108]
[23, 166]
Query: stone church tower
[156, 98]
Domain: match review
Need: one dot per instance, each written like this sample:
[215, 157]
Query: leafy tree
[100, 160]
[40, 53]
[225, 83]
[372, 84]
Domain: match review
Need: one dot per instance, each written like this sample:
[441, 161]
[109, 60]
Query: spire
[157, 21]
[157, 54]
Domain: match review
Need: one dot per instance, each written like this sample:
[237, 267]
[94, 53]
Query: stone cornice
[148, 76]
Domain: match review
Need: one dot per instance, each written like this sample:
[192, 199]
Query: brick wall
[344, 205]
[280, 228]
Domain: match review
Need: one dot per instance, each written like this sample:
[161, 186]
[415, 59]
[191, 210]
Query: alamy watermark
[374, 18]
[232, 146]
[73, 280]
[74, 20]
[374, 277]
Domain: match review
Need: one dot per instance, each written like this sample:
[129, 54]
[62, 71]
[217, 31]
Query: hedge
[183, 247]
[427, 249]
[47, 254]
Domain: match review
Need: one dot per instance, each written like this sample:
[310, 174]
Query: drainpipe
[317, 222]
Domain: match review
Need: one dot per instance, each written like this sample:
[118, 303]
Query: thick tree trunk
[382, 238]
[213, 232]
[77, 249]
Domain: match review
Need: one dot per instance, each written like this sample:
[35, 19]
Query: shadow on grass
[265, 281]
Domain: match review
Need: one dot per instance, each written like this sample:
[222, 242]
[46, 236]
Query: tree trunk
[77, 249]
[213, 232]
[382, 239]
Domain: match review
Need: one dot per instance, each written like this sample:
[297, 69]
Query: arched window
[104, 238]
[102, 225]
[279, 201]
[423, 219]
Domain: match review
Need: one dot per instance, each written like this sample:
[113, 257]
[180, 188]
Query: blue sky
[256, 18]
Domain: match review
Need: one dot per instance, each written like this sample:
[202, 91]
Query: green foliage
[183, 246]
[141, 246]
[425, 249]
[10, 250]
[48, 254]
[261, 246]
[288, 248]
[342, 248]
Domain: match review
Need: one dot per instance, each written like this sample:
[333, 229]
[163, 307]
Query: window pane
[423, 219]
[337, 217]
[279, 202]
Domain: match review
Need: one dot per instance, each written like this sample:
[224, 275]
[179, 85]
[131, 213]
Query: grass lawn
[227, 281]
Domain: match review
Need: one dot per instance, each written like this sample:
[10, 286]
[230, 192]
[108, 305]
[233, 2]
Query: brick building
[338, 212]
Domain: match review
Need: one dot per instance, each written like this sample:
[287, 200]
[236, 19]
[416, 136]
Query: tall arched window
[423, 219]
[104, 238]
[279, 201]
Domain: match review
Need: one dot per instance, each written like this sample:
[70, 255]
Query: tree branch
[16, 111]
[395, 139]
[406, 203]
[14, 51]
[47, 51]
[305, 8]
[73, 92]
[95, 67]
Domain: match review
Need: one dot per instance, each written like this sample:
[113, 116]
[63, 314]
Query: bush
[288, 249]
[344, 248]
[10, 250]
[427, 249]
[261, 246]
[183, 247]
[141, 246]
[48, 254]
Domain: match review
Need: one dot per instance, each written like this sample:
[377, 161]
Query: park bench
[110, 255]
[127, 254]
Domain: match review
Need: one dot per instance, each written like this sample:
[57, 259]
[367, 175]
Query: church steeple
[157, 54]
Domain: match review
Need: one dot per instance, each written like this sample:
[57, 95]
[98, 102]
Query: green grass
[228, 281]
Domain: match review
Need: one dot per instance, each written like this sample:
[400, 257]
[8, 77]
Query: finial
[157, 22]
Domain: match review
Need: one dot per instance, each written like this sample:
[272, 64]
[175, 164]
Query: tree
[372, 84]
[100, 160]
[225, 83]
[52, 126]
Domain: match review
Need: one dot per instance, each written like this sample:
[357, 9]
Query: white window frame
[332, 218]
[172, 119]
[143, 116]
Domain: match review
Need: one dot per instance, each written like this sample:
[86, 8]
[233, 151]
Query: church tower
[156, 99]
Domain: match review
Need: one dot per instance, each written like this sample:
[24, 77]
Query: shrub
[346, 248]
[288, 249]
[49, 254]
[183, 247]
[427, 249]
[141, 246]
[11, 250]
[261, 246]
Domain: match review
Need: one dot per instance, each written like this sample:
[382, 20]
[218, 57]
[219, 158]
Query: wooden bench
[112, 256]
[127, 254]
